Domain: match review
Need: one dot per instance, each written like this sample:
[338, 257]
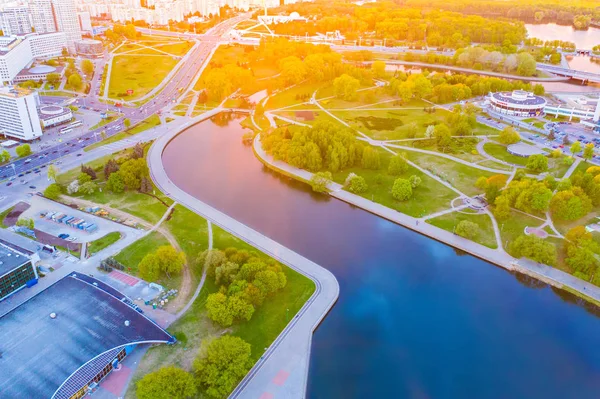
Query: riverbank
[547, 274]
[290, 352]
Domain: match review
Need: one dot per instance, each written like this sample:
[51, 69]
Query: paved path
[573, 167]
[290, 352]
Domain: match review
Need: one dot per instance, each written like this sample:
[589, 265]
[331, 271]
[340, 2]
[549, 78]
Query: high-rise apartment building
[42, 16]
[18, 113]
[67, 21]
[15, 20]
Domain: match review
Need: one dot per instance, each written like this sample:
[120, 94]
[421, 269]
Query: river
[415, 318]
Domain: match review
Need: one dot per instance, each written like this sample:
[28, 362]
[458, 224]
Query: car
[72, 238]
[9, 184]
[79, 154]
[32, 187]
[43, 166]
[21, 174]
[55, 151]
[64, 236]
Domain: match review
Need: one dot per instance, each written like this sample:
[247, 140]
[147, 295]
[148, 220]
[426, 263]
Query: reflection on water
[583, 39]
[414, 319]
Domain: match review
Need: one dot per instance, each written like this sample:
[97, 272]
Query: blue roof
[40, 354]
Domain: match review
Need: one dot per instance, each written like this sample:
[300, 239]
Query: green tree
[550, 182]
[170, 261]
[370, 158]
[588, 151]
[356, 184]
[292, 69]
[221, 364]
[25, 222]
[534, 248]
[4, 156]
[53, 191]
[443, 138]
[397, 165]
[115, 183]
[539, 89]
[87, 67]
[526, 64]
[320, 180]
[149, 268]
[575, 148]
[415, 181]
[127, 123]
[467, 229]
[502, 208]
[211, 259]
[75, 81]
[53, 78]
[570, 205]
[537, 163]
[378, 68]
[132, 171]
[509, 135]
[481, 183]
[166, 383]
[23, 150]
[402, 190]
[83, 178]
[88, 188]
[346, 87]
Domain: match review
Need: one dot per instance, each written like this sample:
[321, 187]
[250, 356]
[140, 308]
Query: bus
[65, 130]
[75, 124]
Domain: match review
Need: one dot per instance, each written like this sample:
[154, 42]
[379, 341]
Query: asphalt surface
[34, 163]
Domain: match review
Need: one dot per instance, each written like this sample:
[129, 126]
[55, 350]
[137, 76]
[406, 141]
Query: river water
[415, 318]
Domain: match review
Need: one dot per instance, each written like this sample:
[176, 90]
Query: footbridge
[570, 73]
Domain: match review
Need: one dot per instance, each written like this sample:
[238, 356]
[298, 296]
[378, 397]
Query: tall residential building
[18, 113]
[85, 22]
[42, 16]
[66, 20]
[15, 20]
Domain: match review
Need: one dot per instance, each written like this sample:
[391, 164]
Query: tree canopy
[166, 383]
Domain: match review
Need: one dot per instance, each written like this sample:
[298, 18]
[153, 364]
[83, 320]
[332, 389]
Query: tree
[88, 188]
[415, 181]
[132, 171]
[23, 150]
[481, 183]
[53, 191]
[221, 364]
[345, 87]
[320, 180]
[83, 178]
[509, 135]
[526, 64]
[588, 151]
[25, 222]
[138, 151]
[166, 383]
[225, 310]
[397, 165]
[534, 248]
[550, 182]
[211, 259]
[169, 260]
[110, 167]
[146, 185]
[443, 138]
[87, 67]
[570, 205]
[52, 172]
[402, 190]
[502, 208]
[539, 89]
[537, 163]
[292, 69]
[467, 229]
[65, 52]
[356, 184]
[115, 183]
[370, 158]
[126, 122]
[149, 268]
[378, 68]
[75, 81]
[575, 147]
[53, 78]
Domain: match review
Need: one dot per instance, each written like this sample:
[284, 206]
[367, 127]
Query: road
[179, 82]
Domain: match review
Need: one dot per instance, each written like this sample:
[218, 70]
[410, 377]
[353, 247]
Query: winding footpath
[287, 359]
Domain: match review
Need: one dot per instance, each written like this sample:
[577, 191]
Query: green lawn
[104, 122]
[179, 49]
[461, 176]
[515, 225]
[429, 197]
[190, 231]
[3, 215]
[132, 255]
[103, 242]
[148, 123]
[289, 96]
[485, 235]
[556, 166]
[138, 73]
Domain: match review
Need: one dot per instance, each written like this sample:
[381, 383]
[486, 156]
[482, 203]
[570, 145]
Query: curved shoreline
[547, 274]
[290, 351]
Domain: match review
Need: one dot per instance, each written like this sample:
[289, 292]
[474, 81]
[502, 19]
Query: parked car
[63, 236]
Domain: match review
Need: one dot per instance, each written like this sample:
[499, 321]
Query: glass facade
[16, 279]
[100, 376]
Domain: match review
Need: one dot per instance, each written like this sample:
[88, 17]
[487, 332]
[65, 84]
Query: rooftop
[41, 354]
[10, 259]
[14, 91]
[519, 97]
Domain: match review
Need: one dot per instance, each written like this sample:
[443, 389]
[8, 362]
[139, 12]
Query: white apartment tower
[15, 20]
[18, 113]
[67, 21]
[42, 16]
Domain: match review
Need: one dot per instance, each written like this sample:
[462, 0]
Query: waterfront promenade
[282, 372]
[544, 273]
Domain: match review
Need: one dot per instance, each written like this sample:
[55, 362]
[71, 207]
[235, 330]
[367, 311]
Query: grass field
[485, 236]
[148, 123]
[138, 73]
[515, 225]
[103, 242]
[190, 231]
[556, 166]
[132, 255]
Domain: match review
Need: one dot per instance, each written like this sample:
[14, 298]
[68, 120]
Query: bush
[537, 163]
[397, 165]
[166, 383]
[356, 184]
[53, 191]
[320, 180]
[415, 181]
[467, 229]
[402, 190]
[534, 248]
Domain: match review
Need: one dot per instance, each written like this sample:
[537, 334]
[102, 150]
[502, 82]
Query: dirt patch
[13, 216]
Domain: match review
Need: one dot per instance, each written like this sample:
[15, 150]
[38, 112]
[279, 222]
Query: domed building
[517, 103]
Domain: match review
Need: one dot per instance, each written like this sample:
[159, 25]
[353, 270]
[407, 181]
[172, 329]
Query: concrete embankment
[283, 369]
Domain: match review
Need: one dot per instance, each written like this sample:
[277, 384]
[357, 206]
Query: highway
[182, 79]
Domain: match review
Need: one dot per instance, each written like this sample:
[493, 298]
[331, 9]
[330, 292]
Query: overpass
[570, 73]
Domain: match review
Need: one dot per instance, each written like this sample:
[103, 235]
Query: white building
[85, 22]
[518, 103]
[15, 20]
[67, 21]
[53, 115]
[18, 113]
[18, 52]
[42, 16]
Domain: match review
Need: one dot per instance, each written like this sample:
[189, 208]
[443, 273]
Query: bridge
[570, 73]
